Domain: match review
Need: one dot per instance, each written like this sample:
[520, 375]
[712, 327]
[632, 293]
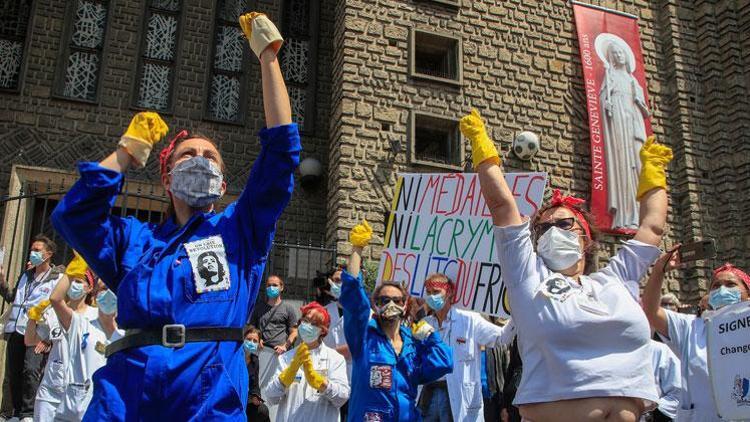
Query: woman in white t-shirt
[86, 330]
[687, 335]
[583, 339]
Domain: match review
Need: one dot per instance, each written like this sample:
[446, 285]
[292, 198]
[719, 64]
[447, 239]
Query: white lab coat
[465, 332]
[668, 378]
[335, 337]
[301, 402]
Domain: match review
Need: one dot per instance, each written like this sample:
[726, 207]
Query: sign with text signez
[728, 355]
[440, 223]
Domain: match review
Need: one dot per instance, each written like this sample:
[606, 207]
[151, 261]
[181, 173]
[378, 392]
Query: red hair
[318, 315]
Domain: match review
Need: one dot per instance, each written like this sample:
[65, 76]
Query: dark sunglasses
[563, 223]
[383, 300]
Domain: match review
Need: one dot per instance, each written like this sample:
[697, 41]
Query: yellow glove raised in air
[77, 268]
[37, 310]
[654, 160]
[312, 376]
[260, 32]
[421, 330]
[146, 129]
[287, 375]
[482, 147]
[361, 234]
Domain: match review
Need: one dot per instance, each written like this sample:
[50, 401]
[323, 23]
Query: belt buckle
[171, 330]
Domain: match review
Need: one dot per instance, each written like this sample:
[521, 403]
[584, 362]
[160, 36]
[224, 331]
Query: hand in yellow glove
[313, 377]
[361, 234]
[260, 32]
[77, 268]
[146, 129]
[482, 147]
[287, 375]
[37, 310]
[654, 160]
[421, 330]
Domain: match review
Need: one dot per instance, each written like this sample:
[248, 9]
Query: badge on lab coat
[209, 262]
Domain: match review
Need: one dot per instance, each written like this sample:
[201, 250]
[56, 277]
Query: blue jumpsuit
[384, 385]
[148, 266]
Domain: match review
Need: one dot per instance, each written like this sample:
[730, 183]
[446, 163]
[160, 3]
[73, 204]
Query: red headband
[434, 283]
[736, 271]
[90, 278]
[166, 152]
[574, 205]
[315, 306]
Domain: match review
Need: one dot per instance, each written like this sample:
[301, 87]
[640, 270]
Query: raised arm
[651, 297]
[145, 129]
[353, 297]
[652, 191]
[486, 162]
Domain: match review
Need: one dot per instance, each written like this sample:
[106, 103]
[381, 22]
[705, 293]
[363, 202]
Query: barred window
[158, 55]
[79, 73]
[227, 86]
[435, 141]
[14, 22]
[299, 58]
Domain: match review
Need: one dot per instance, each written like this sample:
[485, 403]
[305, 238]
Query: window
[227, 86]
[299, 58]
[14, 22]
[82, 54]
[158, 58]
[435, 57]
[435, 141]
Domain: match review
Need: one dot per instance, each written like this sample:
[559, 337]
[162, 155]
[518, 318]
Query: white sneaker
[27, 419]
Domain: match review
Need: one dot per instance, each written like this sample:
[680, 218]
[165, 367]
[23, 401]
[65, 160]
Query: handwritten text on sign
[440, 223]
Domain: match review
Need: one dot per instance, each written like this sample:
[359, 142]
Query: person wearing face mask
[184, 311]
[458, 395]
[687, 335]
[256, 408]
[23, 361]
[582, 337]
[335, 338]
[310, 383]
[389, 361]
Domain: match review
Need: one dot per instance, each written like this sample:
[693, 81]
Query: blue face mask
[75, 291]
[723, 296]
[36, 258]
[435, 302]
[272, 292]
[107, 302]
[250, 346]
[308, 332]
[335, 289]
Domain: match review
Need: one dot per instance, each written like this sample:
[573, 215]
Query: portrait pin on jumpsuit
[148, 267]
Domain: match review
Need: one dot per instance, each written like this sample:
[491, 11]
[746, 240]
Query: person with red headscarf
[582, 337]
[310, 383]
[687, 335]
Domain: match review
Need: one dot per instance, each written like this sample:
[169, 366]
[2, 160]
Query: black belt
[173, 335]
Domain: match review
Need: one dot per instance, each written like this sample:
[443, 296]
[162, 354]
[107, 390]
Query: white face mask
[559, 248]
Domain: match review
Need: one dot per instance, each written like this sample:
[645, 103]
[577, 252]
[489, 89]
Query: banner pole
[604, 9]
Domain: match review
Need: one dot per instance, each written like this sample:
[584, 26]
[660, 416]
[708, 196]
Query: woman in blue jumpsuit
[162, 276]
[389, 361]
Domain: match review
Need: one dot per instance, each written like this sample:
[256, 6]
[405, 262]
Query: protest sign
[440, 223]
[728, 355]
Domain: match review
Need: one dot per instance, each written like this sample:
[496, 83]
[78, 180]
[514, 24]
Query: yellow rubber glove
[287, 375]
[312, 376]
[146, 129]
[654, 160]
[361, 234]
[77, 268]
[421, 330]
[482, 147]
[260, 32]
[37, 310]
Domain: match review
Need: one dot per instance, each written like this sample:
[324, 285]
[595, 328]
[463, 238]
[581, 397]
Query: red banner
[617, 103]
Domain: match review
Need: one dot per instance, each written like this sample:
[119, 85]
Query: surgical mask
[107, 302]
[250, 346]
[273, 292]
[335, 289]
[559, 248]
[308, 332]
[75, 291]
[391, 311]
[435, 302]
[197, 181]
[36, 258]
[723, 296]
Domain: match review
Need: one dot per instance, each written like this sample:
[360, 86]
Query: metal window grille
[436, 140]
[14, 21]
[227, 90]
[436, 56]
[299, 58]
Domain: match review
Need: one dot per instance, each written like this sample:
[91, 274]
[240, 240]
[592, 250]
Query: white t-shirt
[86, 340]
[688, 338]
[52, 385]
[577, 341]
[668, 378]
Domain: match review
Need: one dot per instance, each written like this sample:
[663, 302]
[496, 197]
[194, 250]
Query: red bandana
[315, 306]
[574, 205]
[90, 279]
[166, 152]
[437, 284]
[736, 271]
